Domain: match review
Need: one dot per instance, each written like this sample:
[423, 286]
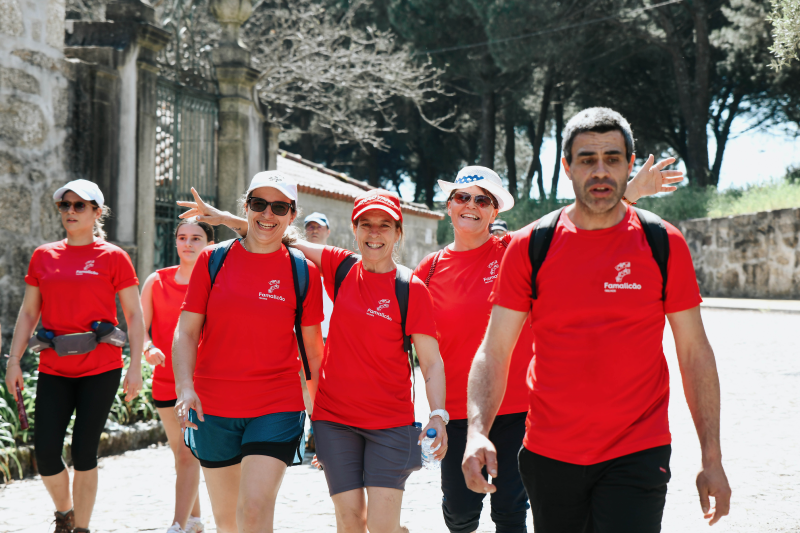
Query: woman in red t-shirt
[363, 410]
[235, 359]
[162, 297]
[72, 284]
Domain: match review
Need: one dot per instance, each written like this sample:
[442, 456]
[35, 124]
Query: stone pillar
[236, 79]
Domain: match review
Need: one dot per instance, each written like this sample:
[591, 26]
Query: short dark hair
[600, 120]
[205, 226]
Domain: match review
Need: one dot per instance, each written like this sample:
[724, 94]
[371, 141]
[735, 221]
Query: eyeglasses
[481, 200]
[260, 205]
[79, 206]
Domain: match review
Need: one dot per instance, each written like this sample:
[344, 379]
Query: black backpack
[402, 287]
[299, 277]
[654, 231]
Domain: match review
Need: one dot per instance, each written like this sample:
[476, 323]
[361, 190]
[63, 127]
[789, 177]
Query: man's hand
[712, 481]
[155, 357]
[652, 179]
[187, 400]
[480, 452]
[203, 211]
[440, 442]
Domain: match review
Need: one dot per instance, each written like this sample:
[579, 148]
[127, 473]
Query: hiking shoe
[65, 522]
[175, 528]
[194, 525]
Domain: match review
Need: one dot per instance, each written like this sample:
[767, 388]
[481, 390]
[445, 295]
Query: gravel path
[758, 356]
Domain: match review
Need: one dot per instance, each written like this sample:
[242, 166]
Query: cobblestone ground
[758, 356]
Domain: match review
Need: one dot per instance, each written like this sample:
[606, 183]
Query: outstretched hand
[653, 179]
[204, 212]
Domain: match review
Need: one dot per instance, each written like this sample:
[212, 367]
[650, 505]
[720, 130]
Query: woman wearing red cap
[236, 364]
[460, 278]
[162, 297]
[72, 284]
[363, 410]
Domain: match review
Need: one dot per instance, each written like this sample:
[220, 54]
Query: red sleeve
[124, 274]
[512, 289]
[424, 266]
[199, 286]
[420, 310]
[332, 257]
[32, 277]
[682, 290]
[312, 305]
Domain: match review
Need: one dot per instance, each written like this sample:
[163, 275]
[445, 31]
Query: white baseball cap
[482, 177]
[86, 189]
[276, 180]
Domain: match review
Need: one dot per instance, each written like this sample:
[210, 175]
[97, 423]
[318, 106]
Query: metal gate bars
[186, 149]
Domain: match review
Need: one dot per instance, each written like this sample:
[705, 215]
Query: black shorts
[625, 494]
[162, 404]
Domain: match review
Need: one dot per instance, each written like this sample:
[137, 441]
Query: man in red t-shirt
[596, 451]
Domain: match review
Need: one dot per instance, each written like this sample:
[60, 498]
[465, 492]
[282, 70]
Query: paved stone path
[758, 355]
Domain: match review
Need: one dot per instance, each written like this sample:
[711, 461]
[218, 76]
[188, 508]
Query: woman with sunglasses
[363, 410]
[460, 278]
[236, 364]
[72, 284]
[163, 294]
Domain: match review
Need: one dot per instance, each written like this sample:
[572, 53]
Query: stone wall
[34, 117]
[747, 256]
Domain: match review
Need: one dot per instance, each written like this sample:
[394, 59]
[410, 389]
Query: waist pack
[78, 343]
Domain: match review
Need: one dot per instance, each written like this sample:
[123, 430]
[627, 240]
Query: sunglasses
[481, 200]
[79, 206]
[260, 205]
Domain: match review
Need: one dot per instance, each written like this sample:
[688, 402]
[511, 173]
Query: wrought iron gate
[186, 150]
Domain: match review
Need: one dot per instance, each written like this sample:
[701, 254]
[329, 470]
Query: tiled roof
[318, 180]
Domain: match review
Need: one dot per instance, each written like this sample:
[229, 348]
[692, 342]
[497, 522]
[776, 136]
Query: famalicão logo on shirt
[623, 269]
[274, 285]
[493, 266]
[382, 304]
[87, 269]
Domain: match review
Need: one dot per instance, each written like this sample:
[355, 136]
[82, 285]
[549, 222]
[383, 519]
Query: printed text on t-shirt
[623, 269]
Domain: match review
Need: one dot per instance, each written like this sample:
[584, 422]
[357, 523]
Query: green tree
[785, 18]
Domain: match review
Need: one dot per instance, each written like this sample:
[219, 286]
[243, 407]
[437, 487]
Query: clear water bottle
[429, 462]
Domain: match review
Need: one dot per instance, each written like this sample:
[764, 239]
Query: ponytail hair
[98, 230]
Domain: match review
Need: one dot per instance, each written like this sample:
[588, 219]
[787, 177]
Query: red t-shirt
[78, 286]
[168, 298]
[247, 360]
[460, 288]
[365, 378]
[599, 384]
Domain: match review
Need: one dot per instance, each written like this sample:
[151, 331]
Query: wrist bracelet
[628, 201]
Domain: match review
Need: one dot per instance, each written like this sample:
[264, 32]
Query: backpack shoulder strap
[300, 280]
[218, 254]
[658, 239]
[541, 236]
[342, 270]
[436, 258]
[506, 240]
[402, 288]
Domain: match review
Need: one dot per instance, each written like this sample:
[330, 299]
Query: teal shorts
[219, 441]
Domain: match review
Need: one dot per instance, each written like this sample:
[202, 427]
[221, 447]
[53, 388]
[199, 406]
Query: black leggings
[57, 397]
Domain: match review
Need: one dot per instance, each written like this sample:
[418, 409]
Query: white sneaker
[175, 528]
[194, 525]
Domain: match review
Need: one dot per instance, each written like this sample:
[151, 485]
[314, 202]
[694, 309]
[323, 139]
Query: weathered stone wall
[747, 256]
[34, 116]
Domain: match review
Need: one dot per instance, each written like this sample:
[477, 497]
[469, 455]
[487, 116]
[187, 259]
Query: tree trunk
[510, 151]
[559, 112]
[536, 136]
[722, 134]
[306, 140]
[487, 129]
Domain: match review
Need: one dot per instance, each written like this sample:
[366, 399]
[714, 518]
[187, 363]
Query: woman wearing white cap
[235, 359]
[460, 278]
[72, 284]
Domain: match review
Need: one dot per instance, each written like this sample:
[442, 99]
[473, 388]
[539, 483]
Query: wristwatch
[147, 347]
[442, 413]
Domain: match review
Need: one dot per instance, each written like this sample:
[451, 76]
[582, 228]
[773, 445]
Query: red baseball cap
[378, 199]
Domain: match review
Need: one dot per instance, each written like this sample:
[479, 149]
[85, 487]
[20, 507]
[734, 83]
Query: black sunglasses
[79, 206]
[278, 208]
[481, 200]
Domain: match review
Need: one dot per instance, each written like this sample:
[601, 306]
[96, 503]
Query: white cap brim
[83, 188]
[505, 200]
[272, 178]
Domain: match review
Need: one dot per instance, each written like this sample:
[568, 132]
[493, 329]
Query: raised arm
[485, 391]
[212, 215]
[184, 358]
[701, 387]
[132, 309]
[432, 367]
[653, 179]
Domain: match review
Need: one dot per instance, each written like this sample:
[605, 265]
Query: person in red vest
[162, 297]
[596, 451]
[73, 284]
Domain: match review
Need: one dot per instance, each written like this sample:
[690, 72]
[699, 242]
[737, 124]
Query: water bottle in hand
[429, 461]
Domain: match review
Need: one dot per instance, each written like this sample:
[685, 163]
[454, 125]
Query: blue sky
[753, 157]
